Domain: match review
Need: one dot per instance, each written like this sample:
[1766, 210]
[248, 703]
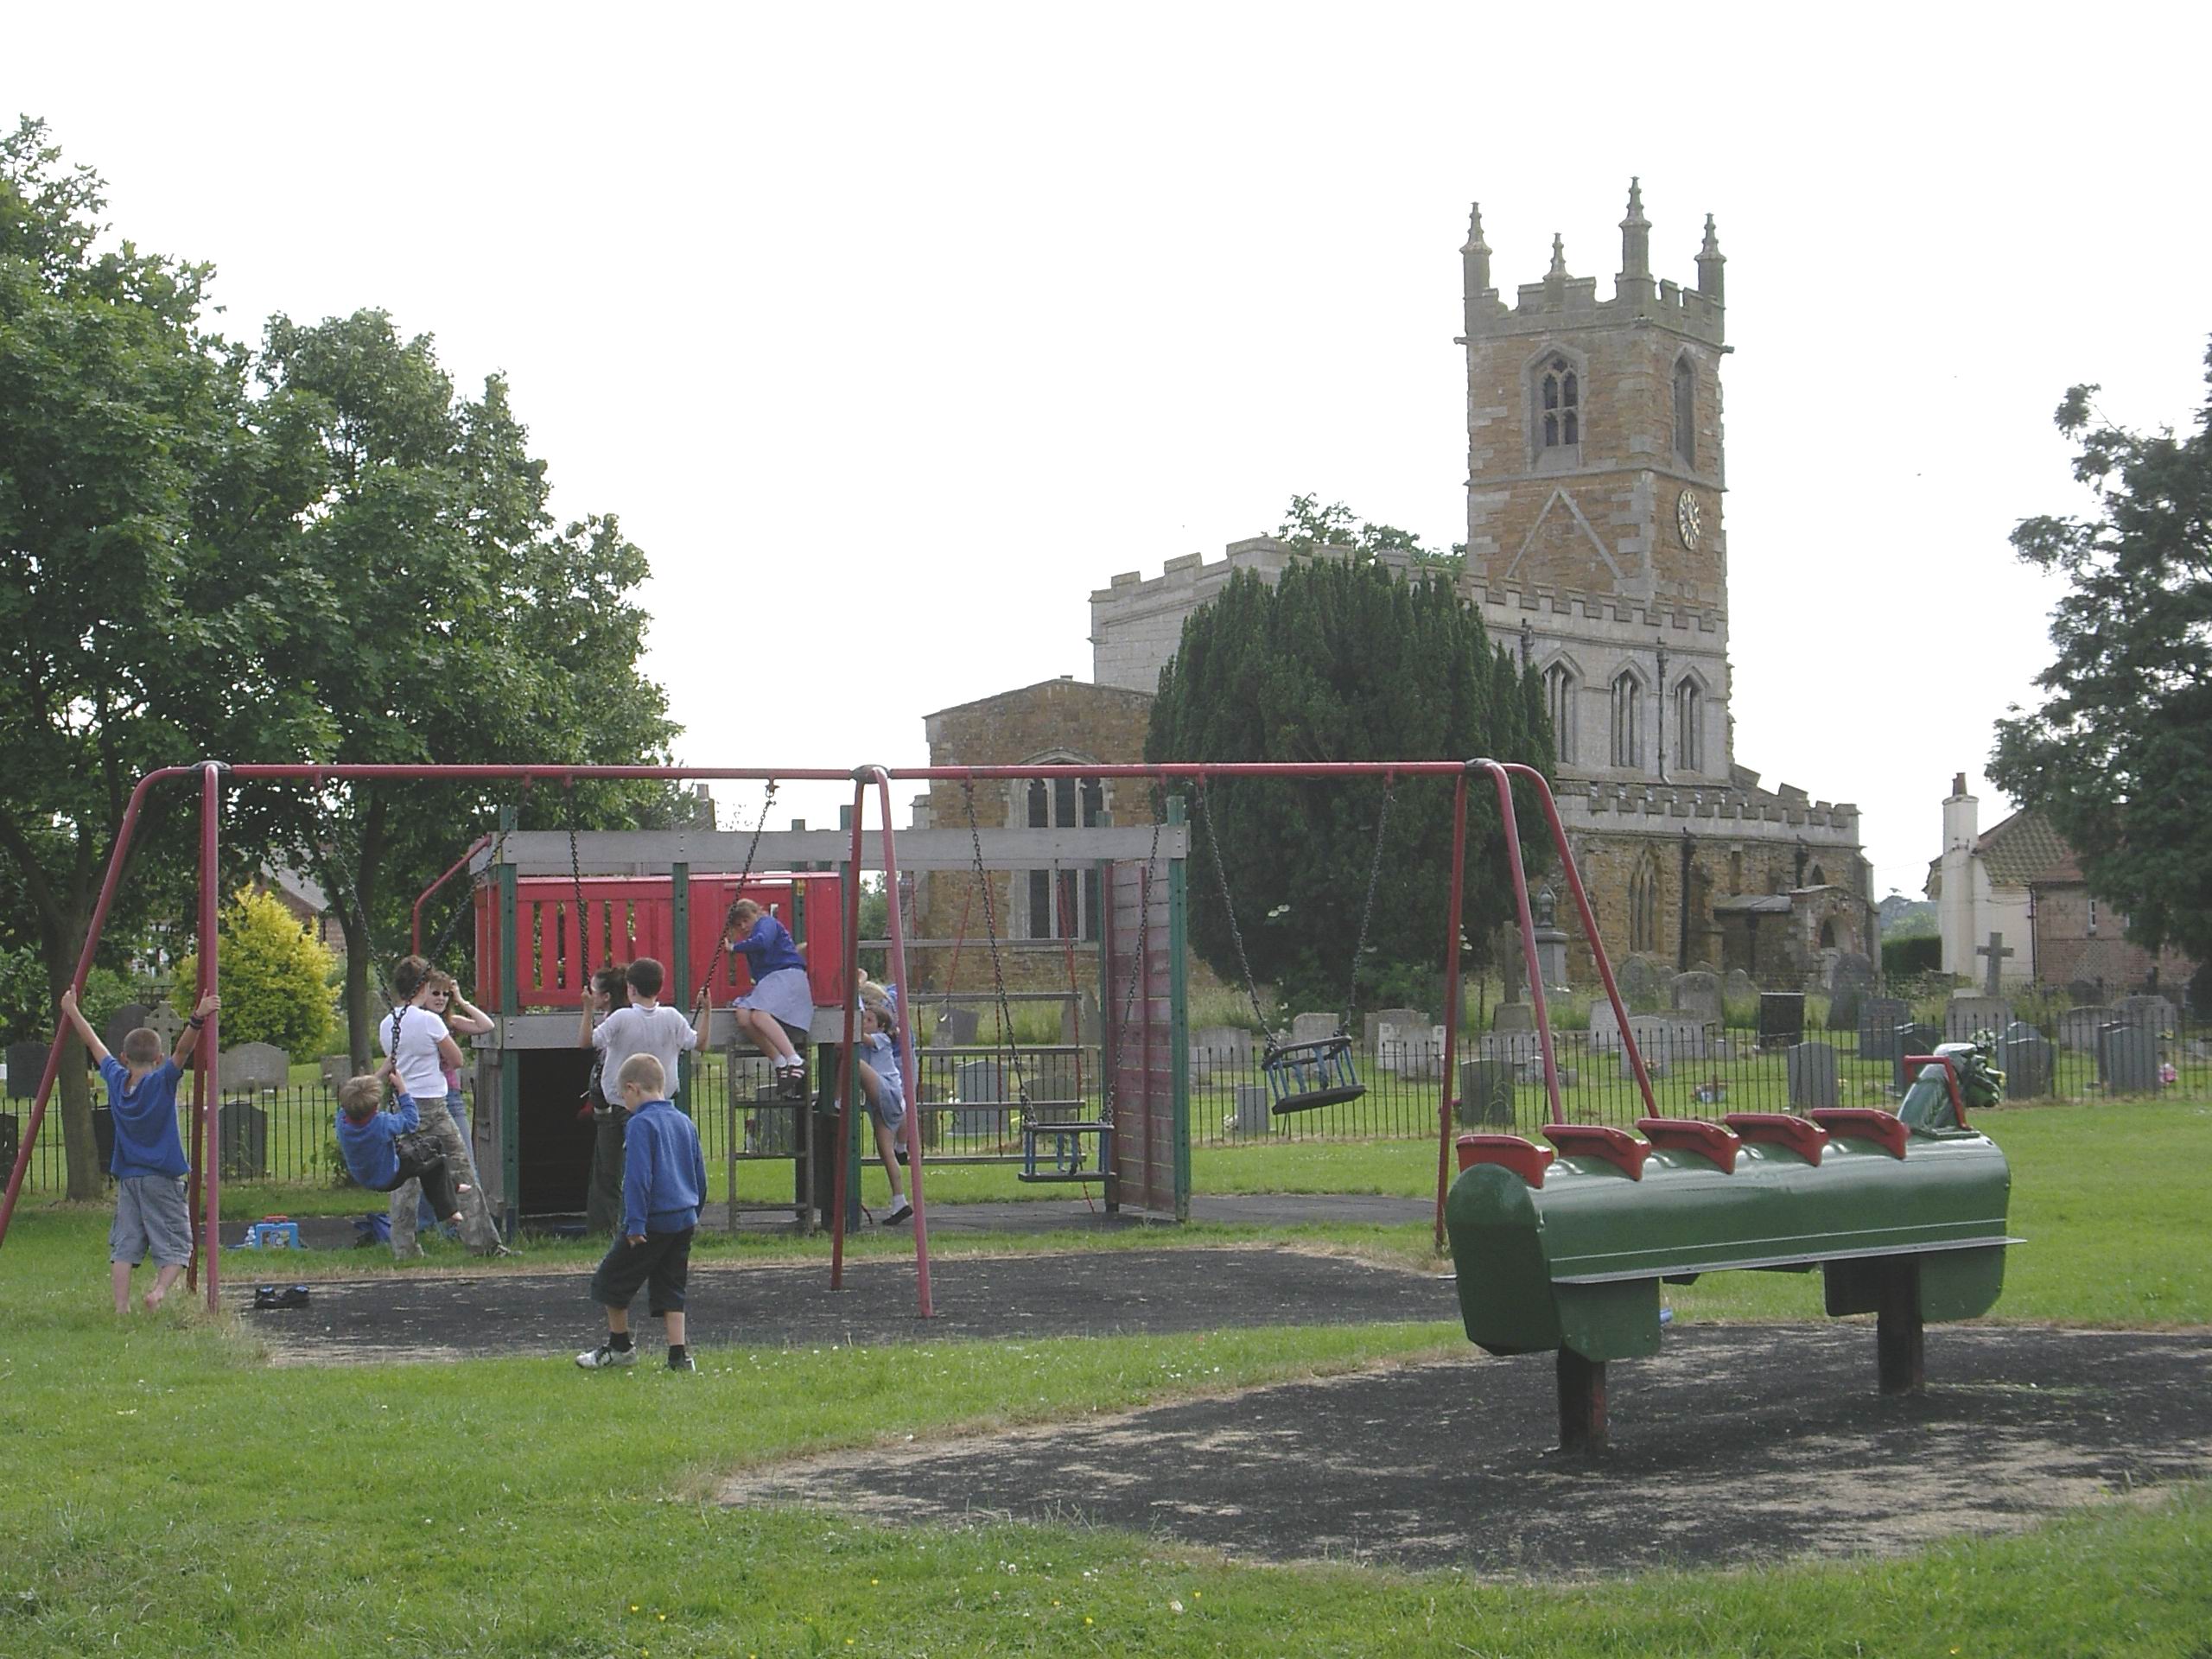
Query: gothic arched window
[1559, 687]
[1559, 398]
[1627, 721]
[1689, 726]
[1644, 905]
[1685, 412]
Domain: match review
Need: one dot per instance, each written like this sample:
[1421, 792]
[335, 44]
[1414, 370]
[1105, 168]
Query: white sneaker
[607, 1354]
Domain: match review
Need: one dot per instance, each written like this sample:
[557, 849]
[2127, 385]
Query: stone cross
[1996, 951]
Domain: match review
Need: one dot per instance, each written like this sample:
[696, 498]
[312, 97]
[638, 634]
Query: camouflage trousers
[476, 1229]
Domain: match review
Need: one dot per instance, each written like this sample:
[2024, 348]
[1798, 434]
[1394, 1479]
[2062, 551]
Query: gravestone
[978, 1083]
[1992, 982]
[336, 1068]
[104, 1131]
[10, 1129]
[1410, 1051]
[1518, 1049]
[1642, 982]
[1485, 1095]
[1781, 1019]
[2084, 992]
[2078, 1028]
[1229, 1045]
[1911, 1039]
[1550, 940]
[956, 1028]
[255, 1065]
[26, 1065]
[2024, 1056]
[1851, 982]
[1405, 1020]
[2127, 1059]
[1738, 986]
[1878, 1020]
[124, 1020]
[1252, 1115]
[1812, 1077]
[2154, 1012]
[245, 1139]
[1697, 996]
[1605, 1026]
[1513, 1016]
[1664, 1040]
[1964, 1016]
[167, 1021]
[1312, 1028]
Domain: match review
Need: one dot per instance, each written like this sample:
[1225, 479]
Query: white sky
[895, 330]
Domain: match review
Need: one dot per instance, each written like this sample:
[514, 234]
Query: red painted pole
[1589, 929]
[211, 1038]
[1527, 934]
[415, 919]
[1451, 936]
[845, 1074]
[117, 858]
[906, 1058]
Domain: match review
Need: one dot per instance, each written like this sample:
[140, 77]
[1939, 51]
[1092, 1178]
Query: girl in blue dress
[776, 1013]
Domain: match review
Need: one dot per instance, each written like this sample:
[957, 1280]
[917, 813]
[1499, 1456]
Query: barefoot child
[664, 1178]
[780, 1004]
[384, 1150]
[148, 1164]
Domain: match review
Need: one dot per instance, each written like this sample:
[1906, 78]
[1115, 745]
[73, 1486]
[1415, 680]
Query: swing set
[1143, 1066]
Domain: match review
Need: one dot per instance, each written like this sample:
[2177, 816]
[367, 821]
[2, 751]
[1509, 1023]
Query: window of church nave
[1060, 903]
[1689, 724]
[1644, 906]
[1559, 394]
[1627, 721]
[1685, 412]
[1559, 699]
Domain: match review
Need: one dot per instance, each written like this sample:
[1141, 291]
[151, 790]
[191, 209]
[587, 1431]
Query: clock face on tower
[1689, 519]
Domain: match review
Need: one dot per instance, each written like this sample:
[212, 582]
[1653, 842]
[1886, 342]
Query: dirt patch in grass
[1736, 1446]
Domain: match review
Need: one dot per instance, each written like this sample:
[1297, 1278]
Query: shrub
[275, 975]
[1905, 958]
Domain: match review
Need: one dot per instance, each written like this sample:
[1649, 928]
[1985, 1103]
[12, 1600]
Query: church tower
[1594, 485]
[1596, 550]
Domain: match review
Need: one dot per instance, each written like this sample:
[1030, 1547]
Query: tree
[276, 977]
[456, 624]
[143, 524]
[2119, 757]
[1343, 662]
[1308, 527]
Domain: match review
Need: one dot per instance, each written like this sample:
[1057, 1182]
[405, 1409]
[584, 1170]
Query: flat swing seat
[1064, 1158]
[1304, 1076]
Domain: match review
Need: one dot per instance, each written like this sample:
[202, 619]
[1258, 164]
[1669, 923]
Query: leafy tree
[143, 522]
[2119, 757]
[1343, 662]
[276, 977]
[1308, 527]
[455, 624]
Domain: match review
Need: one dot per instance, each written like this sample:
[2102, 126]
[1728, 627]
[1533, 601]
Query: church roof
[2018, 850]
[1066, 686]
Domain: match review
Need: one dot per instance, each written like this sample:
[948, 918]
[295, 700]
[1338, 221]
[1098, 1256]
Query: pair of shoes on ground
[900, 1211]
[607, 1355]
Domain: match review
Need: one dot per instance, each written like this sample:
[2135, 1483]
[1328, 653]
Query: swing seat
[1304, 1076]
[1055, 1151]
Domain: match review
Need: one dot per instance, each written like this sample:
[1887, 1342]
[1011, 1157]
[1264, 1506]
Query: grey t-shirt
[657, 1030]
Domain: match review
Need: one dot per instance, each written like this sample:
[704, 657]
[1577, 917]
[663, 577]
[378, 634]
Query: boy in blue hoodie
[148, 1164]
[384, 1150]
[664, 1180]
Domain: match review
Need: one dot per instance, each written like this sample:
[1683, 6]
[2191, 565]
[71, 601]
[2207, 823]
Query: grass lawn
[167, 1493]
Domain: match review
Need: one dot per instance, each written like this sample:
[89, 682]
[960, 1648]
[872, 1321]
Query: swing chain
[1367, 914]
[1228, 909]
[576, 878]
[998, 972]
[721, 947]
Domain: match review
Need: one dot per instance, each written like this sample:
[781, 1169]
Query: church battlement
[1750, 810]
[1263, 555]
[1504, 599]
[1562, 300]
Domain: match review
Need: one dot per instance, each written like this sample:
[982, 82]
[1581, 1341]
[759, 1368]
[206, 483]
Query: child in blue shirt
[664, 1182]
[148, 1164]
[778, 1013]
[384, 1150]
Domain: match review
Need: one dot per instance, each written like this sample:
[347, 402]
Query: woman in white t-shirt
[416, 1041]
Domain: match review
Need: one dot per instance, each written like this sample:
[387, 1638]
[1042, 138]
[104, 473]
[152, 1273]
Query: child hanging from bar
[778, 1013]
[883, 1085]
[384, 1151]
[416, 1040]
[148, 1164]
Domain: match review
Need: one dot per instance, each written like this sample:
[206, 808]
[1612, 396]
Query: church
[1596, 551]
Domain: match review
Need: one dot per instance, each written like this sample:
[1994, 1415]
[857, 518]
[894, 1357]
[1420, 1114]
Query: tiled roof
[2020, 849]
